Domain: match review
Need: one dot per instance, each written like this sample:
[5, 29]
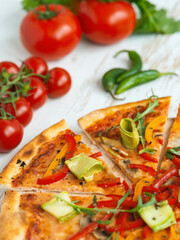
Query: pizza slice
[172, 156]
[58, 160]
[45, 215]
[130, 134]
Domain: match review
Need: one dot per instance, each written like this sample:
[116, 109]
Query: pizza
[31, 168]
[173, 146]
[110, 129]
[60, 186]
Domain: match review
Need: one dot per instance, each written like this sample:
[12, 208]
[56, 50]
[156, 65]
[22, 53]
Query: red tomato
[11, 133]
[38, 94]
[37, 64]
[9, 66]
[24, 111]
[106, 23]
[52, 38]
[59, 82]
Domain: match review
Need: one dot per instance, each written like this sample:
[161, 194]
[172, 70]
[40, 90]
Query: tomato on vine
[59, 82]
[11, 132]
[22, 110]
[106, 22]
[9, 66]
[38, 94]
[36, 65]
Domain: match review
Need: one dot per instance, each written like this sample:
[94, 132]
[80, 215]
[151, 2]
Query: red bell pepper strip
[152, 189]
[121, 218]
[85, 231]
[64, 171]
[113, 203]
[89, 228]
[95, 155]
[148, 169]
[160, 141]
[147, 156]
[177, 182]
[71, 145]
[147, 231]
[176, 161]
[109, 183]
[127, 226]
[165, 195]
[174, 196]
[126, 186]
[170, 173]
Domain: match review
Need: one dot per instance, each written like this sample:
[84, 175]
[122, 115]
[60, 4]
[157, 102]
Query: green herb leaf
[141, 130]
[148, 150]
[171, 151]
[31, 4]
[110, 237]
[153, 20]
[149, 109]
[105, 222]
[116, 237]
[95, 201]
[100, 137]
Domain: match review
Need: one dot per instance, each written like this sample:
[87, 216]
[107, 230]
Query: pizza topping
[129, 133]
[148, 169]
[151, 127]
[109, 183]
[143, 153]
[84, 167]
[55, 177]
[59, 157]
[158, 216]
[60, 209]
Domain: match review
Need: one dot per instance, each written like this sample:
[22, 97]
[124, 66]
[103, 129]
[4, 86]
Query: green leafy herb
[111, 128]
[149, 109]
[105, 222]
[93, 211]
[140, 118]
[95, 201]
[148, 150]
[31, 4]
[153, 20]
[179, 196]
[140, 203]
[110, 237]
[170, 152]
[116, 237]
[100, 137]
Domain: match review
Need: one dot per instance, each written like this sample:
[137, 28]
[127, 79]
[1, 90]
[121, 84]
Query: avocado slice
[58, 208]
[158, 216]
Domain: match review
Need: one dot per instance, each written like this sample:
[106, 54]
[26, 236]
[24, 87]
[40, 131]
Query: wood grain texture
[87, 64]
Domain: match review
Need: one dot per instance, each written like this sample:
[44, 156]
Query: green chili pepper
[138, 79]
[109, 79]
[136, 65]
[129, 133]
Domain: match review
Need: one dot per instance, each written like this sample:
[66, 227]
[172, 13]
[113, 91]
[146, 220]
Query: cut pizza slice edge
[44, 163]
[173, 146]
[105, 129]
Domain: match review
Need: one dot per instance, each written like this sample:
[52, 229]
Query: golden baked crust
[13, 221]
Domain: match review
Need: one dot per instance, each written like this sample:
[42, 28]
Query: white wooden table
[86, 64]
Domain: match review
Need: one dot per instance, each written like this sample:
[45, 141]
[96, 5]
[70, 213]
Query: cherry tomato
[37, 96]
[37, 64]
[106, 22]
[9, 66]
[52, 38]
[24, 111]
[11, 133]
[59, 82]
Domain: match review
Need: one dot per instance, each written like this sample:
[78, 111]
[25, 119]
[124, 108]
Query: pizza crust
[28, 152]
[13, 221]
[91, 118]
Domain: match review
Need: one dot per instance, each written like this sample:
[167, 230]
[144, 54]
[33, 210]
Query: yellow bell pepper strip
[84, 167]
[129, 133]
[173, 235]
[151, 127]
[139, 186]
[59, 156]
[64, 171]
